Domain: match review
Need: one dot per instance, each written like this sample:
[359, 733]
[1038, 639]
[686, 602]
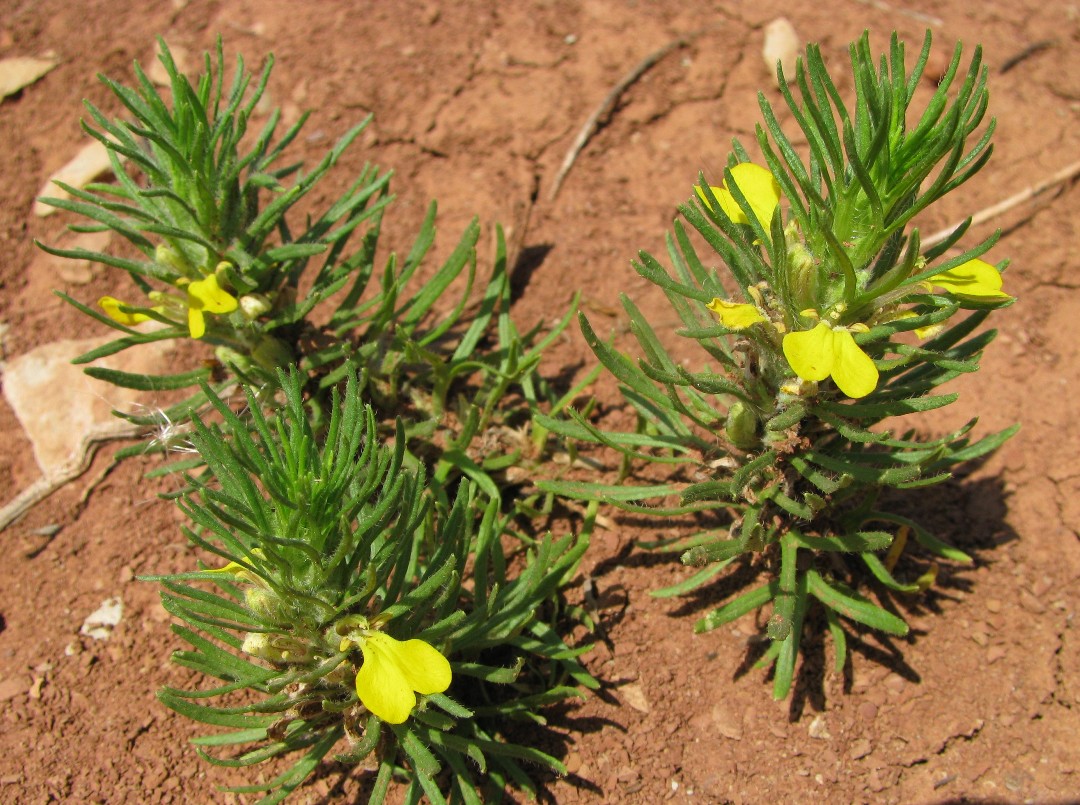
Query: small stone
[1031, 603]
[634, 696]
[99, 623]
[995, 653]
[1042, 586]
[867, 712]
[79, 406]
[781, 45]
[981, 638]
[91, 162]
[727, 723]
[993, 605]
[819, 728]
[573, 763]
[10, 688]
[895, 683]
[21, 71]
[860, 749]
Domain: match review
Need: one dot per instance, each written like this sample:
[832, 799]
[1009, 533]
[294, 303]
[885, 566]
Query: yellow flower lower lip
[735, 315]
[206, 295]
[826, 351]
[114, 310]
[975, 280]
[394, 671]
[759, 187]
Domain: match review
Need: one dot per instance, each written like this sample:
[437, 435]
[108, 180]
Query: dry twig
[605, 107]
[61, 476]
[1066, 174]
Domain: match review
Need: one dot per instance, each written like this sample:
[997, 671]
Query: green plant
[342, 588]
[222, 264]
[842, 322]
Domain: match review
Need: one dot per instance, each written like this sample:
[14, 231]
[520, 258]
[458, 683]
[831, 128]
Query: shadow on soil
[966, 513]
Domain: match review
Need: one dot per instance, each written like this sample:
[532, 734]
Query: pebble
[860, 749]
[1031, 603]
[993, 605]
[573, 763]
[819, 728]
[21, 71]
[99, 623]
[868, 711]
[781, 45]
[634, 696]
[10, 688]
[91, 162]
[1042, 586]
[895, 683]
[995, 653]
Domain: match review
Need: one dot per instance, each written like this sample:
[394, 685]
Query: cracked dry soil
[475, 104]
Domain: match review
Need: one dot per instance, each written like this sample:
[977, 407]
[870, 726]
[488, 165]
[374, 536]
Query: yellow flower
[203, 296]
[114, 310]
[394, 671]
[206, 295]
[735, 315]
[975, 281]
[242, 572]
[759, 187]
[823, 351]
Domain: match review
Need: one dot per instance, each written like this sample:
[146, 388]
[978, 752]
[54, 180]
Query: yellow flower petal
[241, 571]
[112, 308]
[196, 322]
[810, 352]
[853, 370]
[974, 280]
[206, 295]
[392, 670]
[426, 670]
[735, 315]
[380, 683]
[818, 353]
[760, 188]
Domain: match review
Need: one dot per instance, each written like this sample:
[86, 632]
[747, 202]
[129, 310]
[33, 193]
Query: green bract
[774, 438]
[337, 589]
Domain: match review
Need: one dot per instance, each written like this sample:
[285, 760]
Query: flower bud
[260, 645]
[264, 603]
[802, 275]
[230, 357]
[253, 305]
[166, 255]
[271, 353]
[742, 426]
